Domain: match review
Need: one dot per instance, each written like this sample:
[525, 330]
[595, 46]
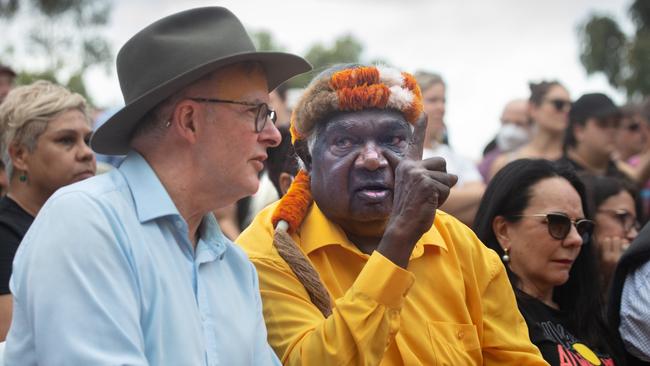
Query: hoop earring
[506, 256]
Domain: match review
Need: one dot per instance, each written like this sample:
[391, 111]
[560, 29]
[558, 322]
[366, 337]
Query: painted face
[540, 260]
[553, 113]
[434, 106]
[351, 179]
[232, 153]
[62, 155]
[616, 217]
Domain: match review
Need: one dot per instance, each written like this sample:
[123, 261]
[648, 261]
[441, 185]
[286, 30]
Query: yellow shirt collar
[318, 231]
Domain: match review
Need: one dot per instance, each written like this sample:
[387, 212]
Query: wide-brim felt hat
[172, 53]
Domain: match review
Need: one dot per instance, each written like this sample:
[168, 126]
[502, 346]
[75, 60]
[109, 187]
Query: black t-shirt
[548, 330]
[14, 222]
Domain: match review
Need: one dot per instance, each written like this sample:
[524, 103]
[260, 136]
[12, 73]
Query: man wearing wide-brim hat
[131, 267]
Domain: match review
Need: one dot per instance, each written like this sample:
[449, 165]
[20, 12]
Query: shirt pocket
[455, 344]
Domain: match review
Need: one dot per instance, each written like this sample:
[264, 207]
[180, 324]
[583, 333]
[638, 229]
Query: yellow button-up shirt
[454, 305]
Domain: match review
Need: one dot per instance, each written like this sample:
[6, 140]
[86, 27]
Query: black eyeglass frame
[548, 217]
[260, 118]
[621, 216]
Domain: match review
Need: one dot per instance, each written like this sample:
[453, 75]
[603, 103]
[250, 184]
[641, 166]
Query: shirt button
[461, 334]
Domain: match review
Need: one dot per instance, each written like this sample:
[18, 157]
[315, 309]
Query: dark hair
[281, 159]
[600, 188]
[508, 194]
[539, 90]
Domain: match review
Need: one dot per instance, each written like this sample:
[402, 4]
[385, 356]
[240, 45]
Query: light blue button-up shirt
[106, 275]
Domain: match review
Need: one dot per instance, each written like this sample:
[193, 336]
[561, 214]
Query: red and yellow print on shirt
[580, 355]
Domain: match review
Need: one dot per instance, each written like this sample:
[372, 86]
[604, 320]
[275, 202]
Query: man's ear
[184, 120]
[19, 156]
[500, 227]
[285, 181]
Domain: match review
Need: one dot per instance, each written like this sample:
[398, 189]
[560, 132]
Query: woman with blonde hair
[45, 133]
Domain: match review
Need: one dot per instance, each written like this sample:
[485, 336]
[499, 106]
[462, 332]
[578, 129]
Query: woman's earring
[23, 177]
[506, 256]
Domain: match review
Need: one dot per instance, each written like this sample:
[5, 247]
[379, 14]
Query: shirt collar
[318, 231]
[211, 235]
[149, 195]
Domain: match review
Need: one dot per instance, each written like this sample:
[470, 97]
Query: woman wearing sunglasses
[615, 213]
[533, 216]
[549, 105]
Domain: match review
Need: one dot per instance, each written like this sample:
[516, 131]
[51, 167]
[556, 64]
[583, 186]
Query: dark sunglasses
[626, 219]
[559, 225]
[560, 104]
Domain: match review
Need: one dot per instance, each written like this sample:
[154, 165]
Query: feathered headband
[350, 89]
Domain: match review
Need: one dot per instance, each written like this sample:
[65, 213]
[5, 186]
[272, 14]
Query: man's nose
[270, 134]
[371, 157]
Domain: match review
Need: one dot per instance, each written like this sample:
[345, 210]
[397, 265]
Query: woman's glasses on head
[559, 225]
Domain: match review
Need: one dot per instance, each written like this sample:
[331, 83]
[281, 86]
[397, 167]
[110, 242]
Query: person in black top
[45, 133]
[533, 216]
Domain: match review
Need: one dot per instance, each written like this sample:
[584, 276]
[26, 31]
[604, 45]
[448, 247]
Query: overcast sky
[487, 51]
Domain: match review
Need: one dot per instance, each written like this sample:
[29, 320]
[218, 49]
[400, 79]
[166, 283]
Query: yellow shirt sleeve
[362, 324]
[505, 333]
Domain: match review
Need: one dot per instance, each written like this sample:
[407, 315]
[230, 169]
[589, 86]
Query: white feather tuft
[400, 98]
[390, 76]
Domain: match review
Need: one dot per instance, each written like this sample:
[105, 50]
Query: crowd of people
[213, 223]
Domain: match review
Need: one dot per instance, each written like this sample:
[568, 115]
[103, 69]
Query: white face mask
[511, 136]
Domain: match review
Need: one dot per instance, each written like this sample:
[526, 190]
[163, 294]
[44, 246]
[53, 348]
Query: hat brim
[114, 136]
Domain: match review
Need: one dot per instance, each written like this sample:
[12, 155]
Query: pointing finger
[416, 144]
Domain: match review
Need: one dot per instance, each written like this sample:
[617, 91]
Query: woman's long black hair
[507, 195]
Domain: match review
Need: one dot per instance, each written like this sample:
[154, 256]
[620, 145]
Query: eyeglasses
[560, 104]
[559, 225]
[262, 114]
[625, 218]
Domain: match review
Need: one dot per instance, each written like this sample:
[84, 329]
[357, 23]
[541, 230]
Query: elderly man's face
[351, 179]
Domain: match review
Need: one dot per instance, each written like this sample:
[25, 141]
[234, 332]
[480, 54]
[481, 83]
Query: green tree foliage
[62, 39]
[346, 49]
[623, 59]
[264, 41]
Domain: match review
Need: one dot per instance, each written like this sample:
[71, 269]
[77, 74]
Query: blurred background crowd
[602, 134]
